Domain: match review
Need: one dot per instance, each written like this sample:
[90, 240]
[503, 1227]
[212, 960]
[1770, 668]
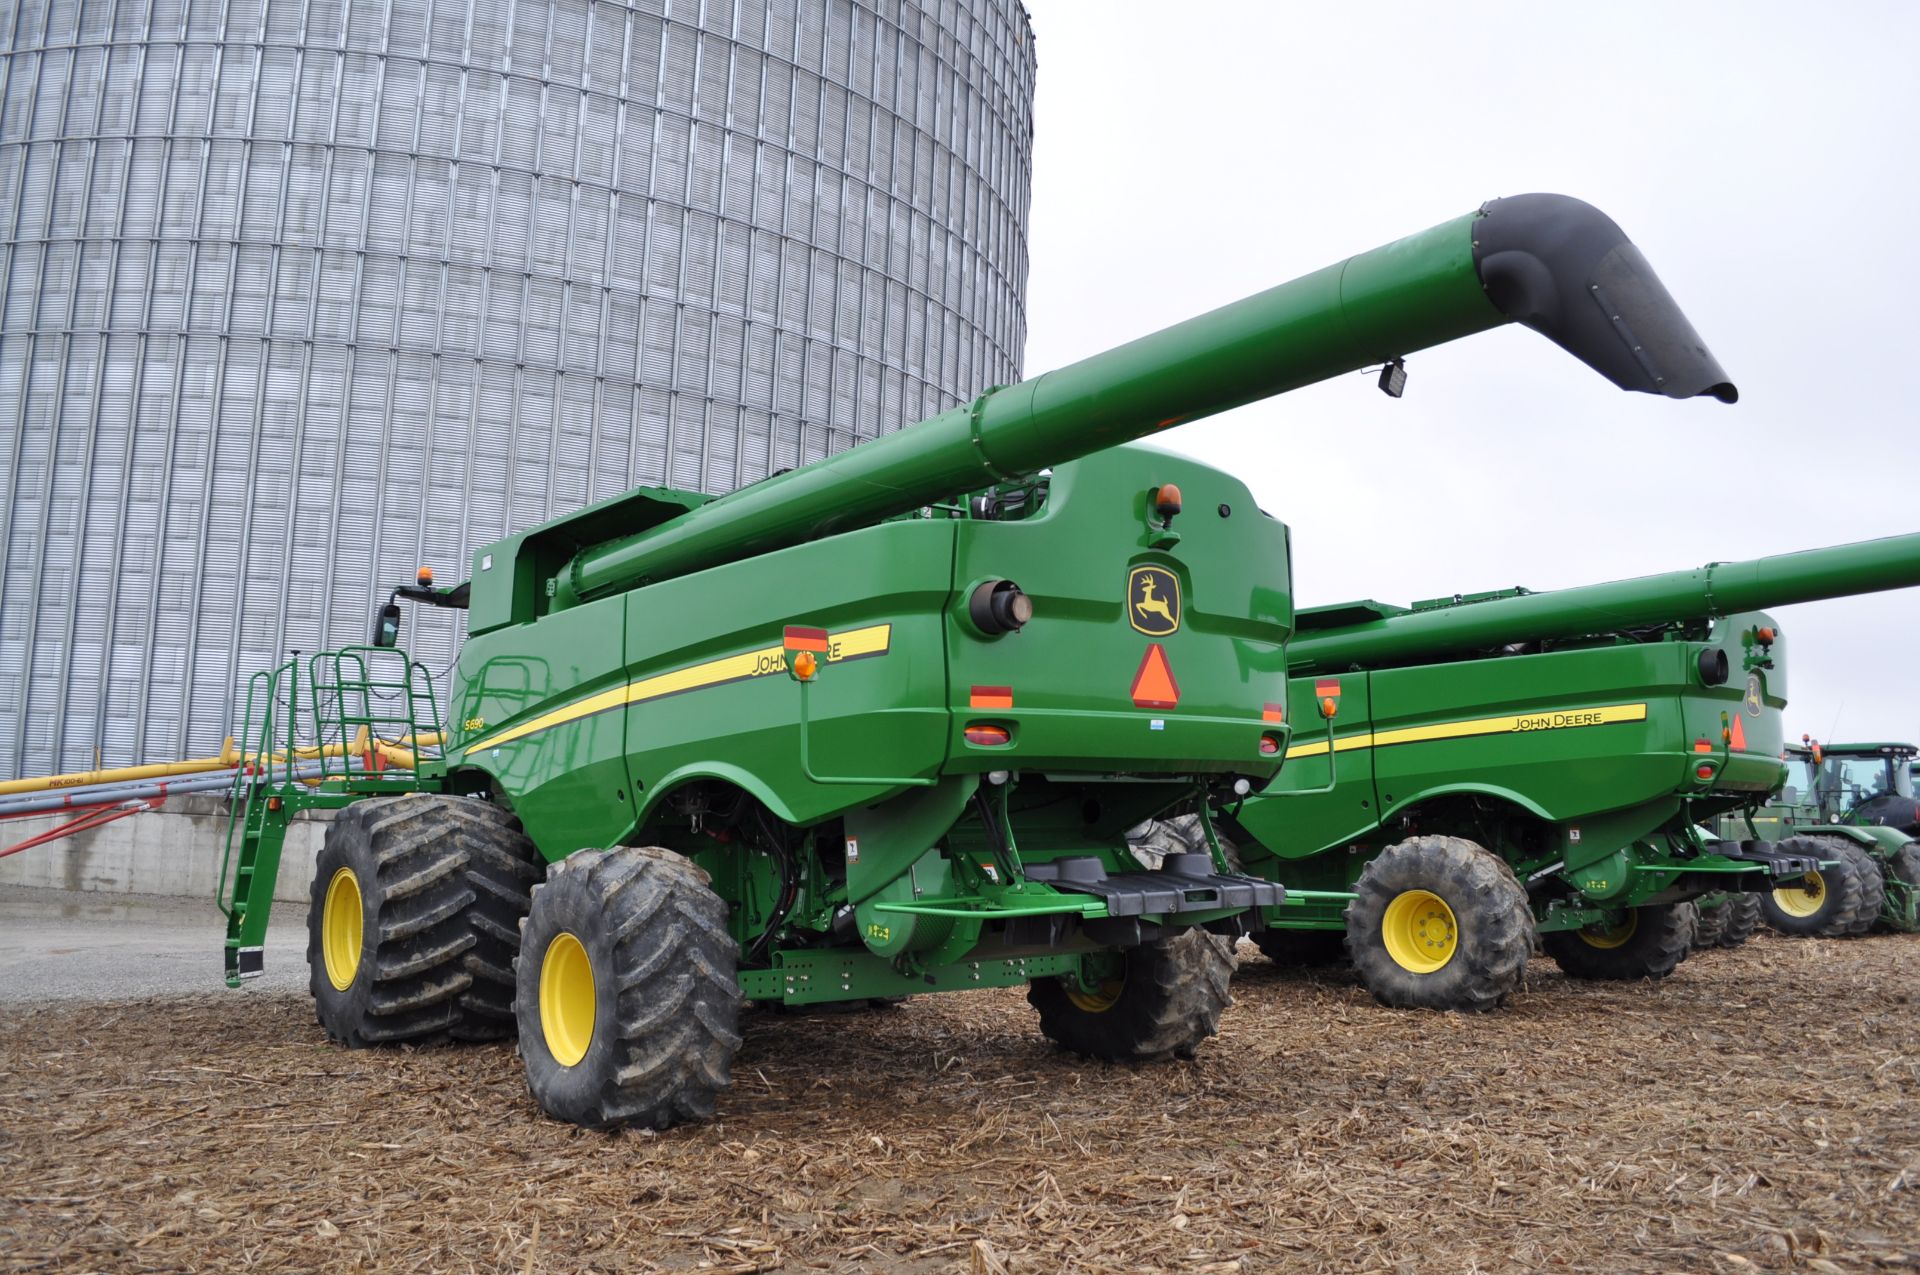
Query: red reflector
[1273, 713]
[1702, 746]
[1153, 685]
[799, 639]
[1705, 772]
[987, 736]
[990, 697]
[1327, 686]
[1269, 744]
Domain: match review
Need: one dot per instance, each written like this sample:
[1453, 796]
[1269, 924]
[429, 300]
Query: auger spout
[1328, 641]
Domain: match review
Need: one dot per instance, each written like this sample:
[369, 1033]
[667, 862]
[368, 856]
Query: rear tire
[1650, 944]
[1166, 1002]
[1741, 917]
[1873, 889]
[387, 933]
[1439, 923]
[1710, 922]
[1302, 949]
[502, 867]
[1825, 906]
[627, 996]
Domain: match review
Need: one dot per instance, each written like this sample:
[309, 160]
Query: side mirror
[386, 626]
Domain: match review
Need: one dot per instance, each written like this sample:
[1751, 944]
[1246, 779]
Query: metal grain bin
[296, 295]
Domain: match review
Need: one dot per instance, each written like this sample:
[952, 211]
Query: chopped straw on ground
[1757, 1111]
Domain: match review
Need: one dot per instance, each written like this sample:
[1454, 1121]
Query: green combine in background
[878, 725]
[1480, 769]
[1854, 805]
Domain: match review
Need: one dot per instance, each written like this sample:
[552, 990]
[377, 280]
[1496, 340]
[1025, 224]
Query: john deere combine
[1478, 769]
[877, 725]
[1854, 805]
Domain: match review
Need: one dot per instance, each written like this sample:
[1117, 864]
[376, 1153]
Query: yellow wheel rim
[1605, 936]
[341, 929]
[566, 999]
[1804, 899]
[1419, 931]
[1099, 1000]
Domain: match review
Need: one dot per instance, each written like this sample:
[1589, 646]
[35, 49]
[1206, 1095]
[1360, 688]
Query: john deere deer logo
[1153, 601]
[1753, 701]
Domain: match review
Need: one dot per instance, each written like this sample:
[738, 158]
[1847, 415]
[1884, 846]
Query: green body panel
[898, 714]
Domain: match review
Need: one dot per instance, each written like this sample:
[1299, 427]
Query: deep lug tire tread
[502, 868]
[667, 997]
[1171, 999]
[1873, 888]
[411, 976]
[1845, 890]
[1663, 934]
[1740, 918]
[1710, 923]
[1488, 902]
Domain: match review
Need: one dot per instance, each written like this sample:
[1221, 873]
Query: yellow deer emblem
[1149, 610]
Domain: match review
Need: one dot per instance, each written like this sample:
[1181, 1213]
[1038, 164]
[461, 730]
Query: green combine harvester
[1483, 768]
[1854, 805]
[875, 726]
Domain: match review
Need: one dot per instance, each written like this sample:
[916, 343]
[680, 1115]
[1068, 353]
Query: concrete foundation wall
[175, 850]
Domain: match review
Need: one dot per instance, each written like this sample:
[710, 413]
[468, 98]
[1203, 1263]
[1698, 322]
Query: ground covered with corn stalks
[1761, 1110]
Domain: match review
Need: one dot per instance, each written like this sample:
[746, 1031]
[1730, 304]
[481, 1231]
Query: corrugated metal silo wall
[298, 295]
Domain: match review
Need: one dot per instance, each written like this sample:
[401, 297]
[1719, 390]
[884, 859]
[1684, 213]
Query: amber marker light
[805, 665]
[425, 576]
[1328, 707]
[1765, 635]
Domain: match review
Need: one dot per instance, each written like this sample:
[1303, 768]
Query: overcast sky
[1762, 157]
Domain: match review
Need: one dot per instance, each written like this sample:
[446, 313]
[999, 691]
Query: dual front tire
[414, 921]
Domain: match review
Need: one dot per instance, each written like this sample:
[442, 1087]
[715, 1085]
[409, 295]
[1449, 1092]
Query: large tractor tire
[415, 920]
[1873, 887]
[1439, 923]
[627, 994]
[387, 933]
[1710, 921]
[1740, 917]
[1297, 949]
[1649, 943]
[1824, 903]
[1164, 1001]
[502, 867]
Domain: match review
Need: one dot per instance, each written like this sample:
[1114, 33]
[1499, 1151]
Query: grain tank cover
[1565, 269]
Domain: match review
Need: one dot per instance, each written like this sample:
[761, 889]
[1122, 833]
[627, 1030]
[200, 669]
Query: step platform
[1778, 864]
[1183, 883]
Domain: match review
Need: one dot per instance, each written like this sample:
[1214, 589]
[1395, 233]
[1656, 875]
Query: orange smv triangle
[1739, 741]
[1153, 685]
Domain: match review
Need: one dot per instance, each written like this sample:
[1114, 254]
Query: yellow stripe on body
[872, 640]
[1519, 723]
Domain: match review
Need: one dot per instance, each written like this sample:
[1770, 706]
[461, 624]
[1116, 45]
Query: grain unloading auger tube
[1550, 262]
[1370, 635]
[878, 726]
